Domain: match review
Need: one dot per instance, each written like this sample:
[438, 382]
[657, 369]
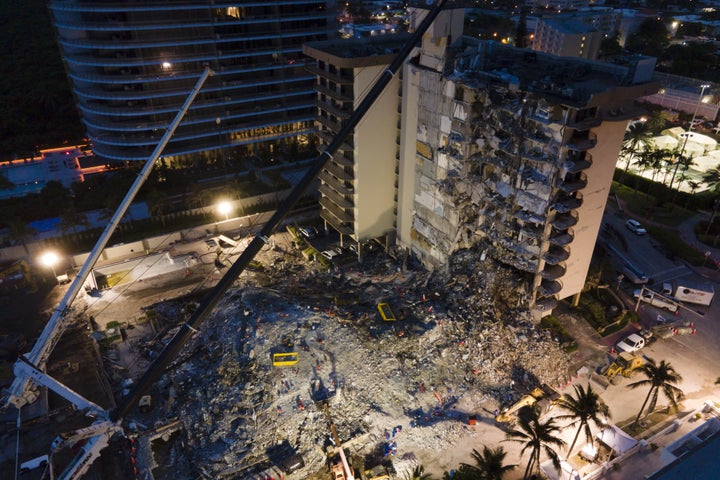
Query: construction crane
[346, 470]
[29, 369]
[21, 391]
[99, 433]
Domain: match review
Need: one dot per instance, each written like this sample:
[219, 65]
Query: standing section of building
[567, 38]
[514, 150]
[358, 186]
[132, 65]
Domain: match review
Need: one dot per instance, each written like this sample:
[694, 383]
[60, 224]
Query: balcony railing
[573, 184]
[563, 238]
[556, 255]
[553, 272]
[341, 216]
[335, 197]
[546, 304]
[567, 204]
[574, 166]
[549, 287]
[564, 221]
[582, 143]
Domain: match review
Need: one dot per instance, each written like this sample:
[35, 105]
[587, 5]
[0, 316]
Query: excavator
[30, 369]
[17, 275]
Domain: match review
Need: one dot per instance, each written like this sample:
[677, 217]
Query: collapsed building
[478, 142]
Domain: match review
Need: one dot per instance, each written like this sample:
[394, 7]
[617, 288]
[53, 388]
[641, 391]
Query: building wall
[599, 176]
[375, 141]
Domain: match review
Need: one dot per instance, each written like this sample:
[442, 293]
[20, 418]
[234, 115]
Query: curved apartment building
[132, 64]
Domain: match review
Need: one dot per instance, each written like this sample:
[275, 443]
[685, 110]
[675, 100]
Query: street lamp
[50, 259]
[224, 208]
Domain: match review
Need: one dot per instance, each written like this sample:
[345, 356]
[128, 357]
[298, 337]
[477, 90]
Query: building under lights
[133, 64]
[477, 143]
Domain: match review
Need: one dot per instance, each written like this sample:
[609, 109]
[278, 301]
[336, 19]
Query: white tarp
[619, 441]
[567, 472]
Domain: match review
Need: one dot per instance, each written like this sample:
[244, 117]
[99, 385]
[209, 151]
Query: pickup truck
[655, 299]
[631, 343]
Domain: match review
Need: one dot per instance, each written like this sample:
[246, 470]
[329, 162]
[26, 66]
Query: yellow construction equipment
[626, 364]
[285, 359]
[17, 276]
[543, 396]
[385, 312]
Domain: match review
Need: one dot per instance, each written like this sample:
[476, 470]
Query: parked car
[634, 275]
[332, 253]
[635, 227]
[309, 232]
[631, 343]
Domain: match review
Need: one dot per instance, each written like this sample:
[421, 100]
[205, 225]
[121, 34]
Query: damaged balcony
[565, 204]
[573, 183]
[582, 142]
[564, 221]
[553, 272]
[536, 155]
[549, 287]
[579, 164]
[562, 238]
[526, 216]
[556, 255]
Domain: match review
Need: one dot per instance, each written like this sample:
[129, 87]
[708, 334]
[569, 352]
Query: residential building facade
[133, 64]
[507, 149]
[567, 38]
[358, 186]
[513, 150]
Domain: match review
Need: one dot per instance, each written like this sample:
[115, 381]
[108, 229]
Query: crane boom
[208, 303]
[20, 392]
[106, 428]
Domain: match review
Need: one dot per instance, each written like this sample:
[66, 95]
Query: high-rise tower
[132, 64]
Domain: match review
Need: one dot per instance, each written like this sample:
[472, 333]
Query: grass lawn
[644, 206]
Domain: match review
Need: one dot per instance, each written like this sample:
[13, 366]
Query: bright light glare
[49, 259]
[224, 208]
[166, 65]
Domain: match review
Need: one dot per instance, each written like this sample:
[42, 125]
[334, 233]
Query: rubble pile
[394, 389]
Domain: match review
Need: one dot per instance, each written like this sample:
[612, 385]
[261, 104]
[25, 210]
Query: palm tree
[585, 407]
[418, 473]
[693, 186]
[712, 179]
[536, 437]
[159, 204]
[684, 161]
[20, 232]
[71, 219]
[488, 464]
[660, 376]
[637, 138]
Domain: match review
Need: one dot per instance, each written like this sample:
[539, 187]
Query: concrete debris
[248, 389]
